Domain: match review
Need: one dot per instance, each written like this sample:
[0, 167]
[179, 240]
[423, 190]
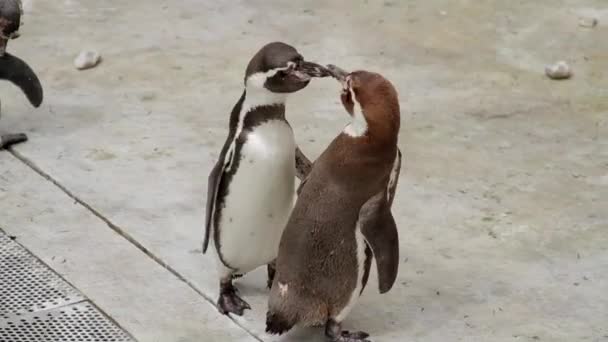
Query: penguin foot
[7, 140]
[358, 336]
[334, 333]
[230, 302]
[272, 271]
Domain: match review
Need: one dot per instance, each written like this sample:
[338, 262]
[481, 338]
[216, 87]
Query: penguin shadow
[253, 284]
[383, 316]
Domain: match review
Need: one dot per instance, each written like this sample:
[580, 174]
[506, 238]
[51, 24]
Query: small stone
[587, 22]
[443, 13]
[505, 145]
[558, 71]
[87, 59]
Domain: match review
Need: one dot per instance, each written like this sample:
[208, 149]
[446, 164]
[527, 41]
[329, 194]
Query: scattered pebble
[87, 59]
[558, 71]
[505, 145]
[587, 22]
[443, 13]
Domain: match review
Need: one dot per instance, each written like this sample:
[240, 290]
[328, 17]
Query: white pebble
[87, 59]
[587, 22]
[558, 71]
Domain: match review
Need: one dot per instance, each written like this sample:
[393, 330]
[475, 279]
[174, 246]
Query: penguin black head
[279, 68]
[10, 19]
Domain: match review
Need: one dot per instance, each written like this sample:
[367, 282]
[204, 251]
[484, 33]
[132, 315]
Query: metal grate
[73, 323]
[27, 285]
[36, 305]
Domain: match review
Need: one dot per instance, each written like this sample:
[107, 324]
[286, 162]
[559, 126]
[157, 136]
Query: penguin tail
[277, 324]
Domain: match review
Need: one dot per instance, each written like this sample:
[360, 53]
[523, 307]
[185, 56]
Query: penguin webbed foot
[333, 330]
[230, 302]
[7, 140]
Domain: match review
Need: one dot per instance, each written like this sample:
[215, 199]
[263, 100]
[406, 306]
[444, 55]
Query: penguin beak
[313, 69]
[304, 71]
[338, 74]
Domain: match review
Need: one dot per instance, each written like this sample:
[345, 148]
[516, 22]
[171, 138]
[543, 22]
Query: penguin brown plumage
[342, 217]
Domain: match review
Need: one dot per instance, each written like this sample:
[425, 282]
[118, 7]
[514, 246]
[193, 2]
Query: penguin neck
[256, 96]
[259, 106]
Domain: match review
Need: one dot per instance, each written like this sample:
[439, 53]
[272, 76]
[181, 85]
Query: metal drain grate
[36, 305]
[27, 285]
[77, 322]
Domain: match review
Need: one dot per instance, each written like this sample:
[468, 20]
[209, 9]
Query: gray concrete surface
[139, 294]
[503, 200]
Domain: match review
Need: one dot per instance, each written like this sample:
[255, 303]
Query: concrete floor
[503, 199]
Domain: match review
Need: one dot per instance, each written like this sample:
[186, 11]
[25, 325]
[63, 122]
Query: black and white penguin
[342, 217]
[251, 189]
[14, 69]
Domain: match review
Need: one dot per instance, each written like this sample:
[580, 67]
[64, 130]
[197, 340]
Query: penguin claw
[230, 302]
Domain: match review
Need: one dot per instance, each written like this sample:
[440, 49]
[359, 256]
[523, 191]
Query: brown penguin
[342, 217]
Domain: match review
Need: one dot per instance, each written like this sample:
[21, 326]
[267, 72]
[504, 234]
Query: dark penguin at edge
[342, 217]
[251, 189]
[14, 69]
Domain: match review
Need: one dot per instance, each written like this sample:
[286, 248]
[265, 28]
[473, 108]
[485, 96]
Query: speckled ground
[503, 199]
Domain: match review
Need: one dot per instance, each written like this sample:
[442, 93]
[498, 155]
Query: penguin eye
[298, 60]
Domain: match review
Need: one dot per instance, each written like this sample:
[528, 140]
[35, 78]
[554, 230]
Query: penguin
[14, 69]
[251, 188]
[342, 218]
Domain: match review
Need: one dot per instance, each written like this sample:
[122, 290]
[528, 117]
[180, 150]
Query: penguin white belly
[354, 297]
[260, 197]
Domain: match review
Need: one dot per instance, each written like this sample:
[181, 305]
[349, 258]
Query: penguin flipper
[394, 178]
[303, 165]
[378, 226]
[20, 74]
[213, 185]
